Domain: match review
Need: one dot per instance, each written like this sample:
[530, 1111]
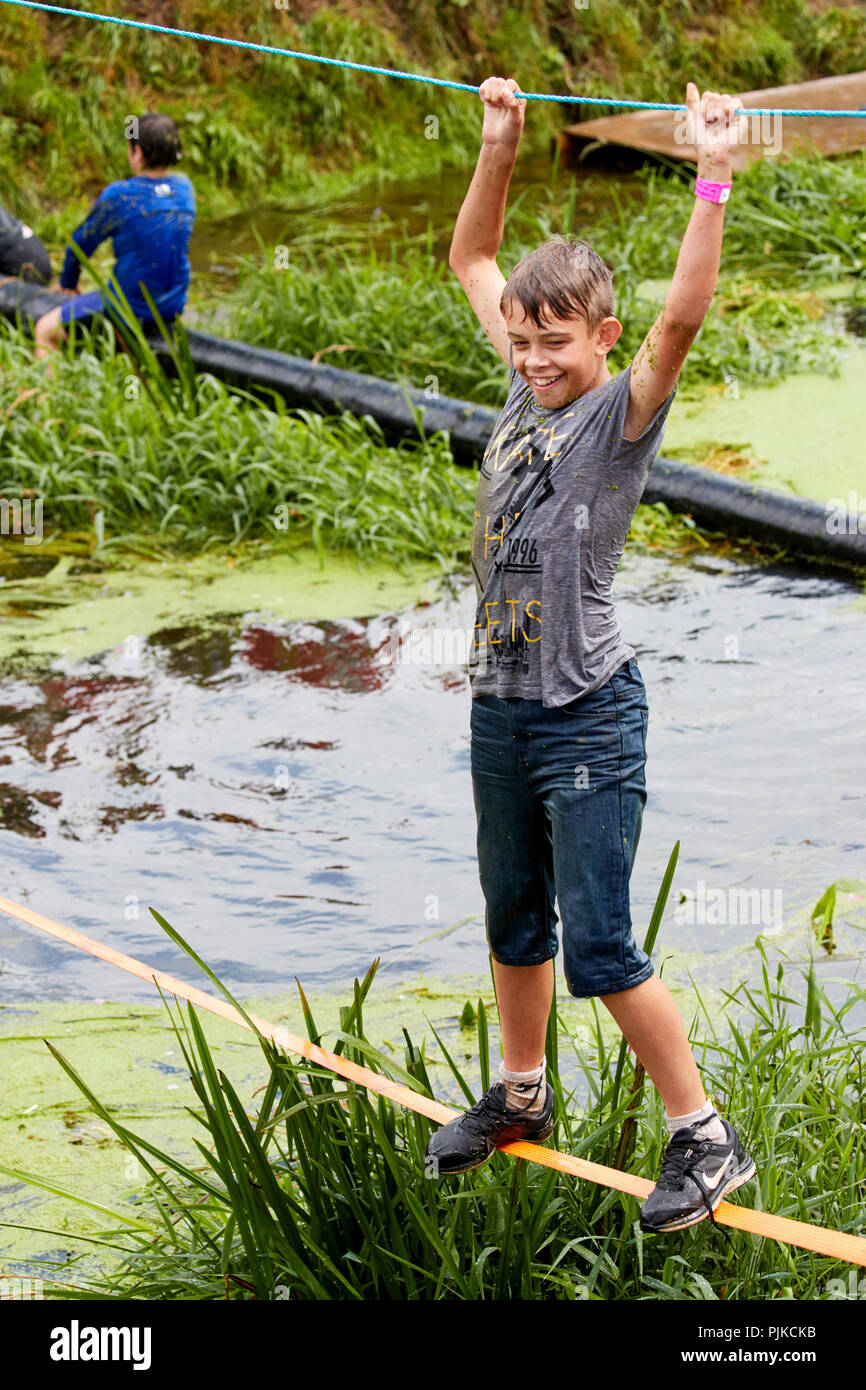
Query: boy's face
[560, 360]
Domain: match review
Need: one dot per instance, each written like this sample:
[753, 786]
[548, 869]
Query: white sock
[524, 1090]
[706, 1117]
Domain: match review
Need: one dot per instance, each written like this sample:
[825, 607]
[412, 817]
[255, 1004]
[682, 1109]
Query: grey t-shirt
[557, 491]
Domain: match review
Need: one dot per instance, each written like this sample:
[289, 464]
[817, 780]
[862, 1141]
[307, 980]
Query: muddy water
[376, 215]
[295, 803]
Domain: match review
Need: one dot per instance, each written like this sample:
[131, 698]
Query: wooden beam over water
[654, 132]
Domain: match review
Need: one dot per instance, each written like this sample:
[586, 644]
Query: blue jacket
[150, 221]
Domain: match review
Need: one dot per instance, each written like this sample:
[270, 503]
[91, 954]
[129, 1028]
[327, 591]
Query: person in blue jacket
[150, 218]
[22, 254]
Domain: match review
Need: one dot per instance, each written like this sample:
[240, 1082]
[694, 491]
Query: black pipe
[715, 501]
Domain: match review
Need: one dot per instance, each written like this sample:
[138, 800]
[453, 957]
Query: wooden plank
[655, 131]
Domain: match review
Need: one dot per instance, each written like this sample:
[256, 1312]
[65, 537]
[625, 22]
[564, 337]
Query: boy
[150, 218]
[559, 711]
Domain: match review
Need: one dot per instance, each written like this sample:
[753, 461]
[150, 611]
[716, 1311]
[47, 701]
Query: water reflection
[296, 804]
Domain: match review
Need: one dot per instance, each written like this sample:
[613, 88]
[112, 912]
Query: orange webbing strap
[837, 1244]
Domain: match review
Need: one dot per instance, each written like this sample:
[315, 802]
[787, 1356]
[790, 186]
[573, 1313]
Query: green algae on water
[83, 615]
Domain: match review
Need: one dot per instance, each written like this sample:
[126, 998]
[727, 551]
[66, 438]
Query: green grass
[258, 127]
[218, 469]
[316, 1189]
[190, 464]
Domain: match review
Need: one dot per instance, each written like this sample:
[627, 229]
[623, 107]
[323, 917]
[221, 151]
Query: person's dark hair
[563, 277]
[158, 140]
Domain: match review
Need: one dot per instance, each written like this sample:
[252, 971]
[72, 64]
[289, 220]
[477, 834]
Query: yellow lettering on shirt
[535, 618]
[492, 535]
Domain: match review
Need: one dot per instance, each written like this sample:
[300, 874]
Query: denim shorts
[559, 797]
[87, 308]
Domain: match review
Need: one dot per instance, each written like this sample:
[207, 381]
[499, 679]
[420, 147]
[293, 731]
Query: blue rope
[392, 72]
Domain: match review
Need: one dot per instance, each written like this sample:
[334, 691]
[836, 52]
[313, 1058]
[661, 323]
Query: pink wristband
[712, 192]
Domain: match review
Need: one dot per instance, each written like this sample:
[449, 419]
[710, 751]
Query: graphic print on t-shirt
[523, 454]
[512, 624]
[557, 490]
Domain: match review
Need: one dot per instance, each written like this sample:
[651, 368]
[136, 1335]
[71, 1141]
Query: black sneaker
[470, 1140]
[697, 1174]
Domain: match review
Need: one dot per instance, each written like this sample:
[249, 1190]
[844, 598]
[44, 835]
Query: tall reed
[319, 1190]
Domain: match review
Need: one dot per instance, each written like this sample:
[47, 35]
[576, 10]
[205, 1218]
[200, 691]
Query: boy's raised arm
[713, 130]
[478, 230]
[100, 223]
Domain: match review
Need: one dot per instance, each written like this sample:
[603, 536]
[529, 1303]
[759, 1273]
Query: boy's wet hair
[159, 140]
[562, 277]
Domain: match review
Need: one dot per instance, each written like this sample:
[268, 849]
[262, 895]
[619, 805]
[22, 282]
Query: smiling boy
[559, 710]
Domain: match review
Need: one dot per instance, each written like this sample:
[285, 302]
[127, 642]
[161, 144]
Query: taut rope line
[838, 1245]
[392, 72]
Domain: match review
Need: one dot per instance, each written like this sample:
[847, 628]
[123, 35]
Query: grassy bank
[218, 468]
[128, 1053]
[257, 127]
[189, 465]
[118, 464]
[121, 467]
